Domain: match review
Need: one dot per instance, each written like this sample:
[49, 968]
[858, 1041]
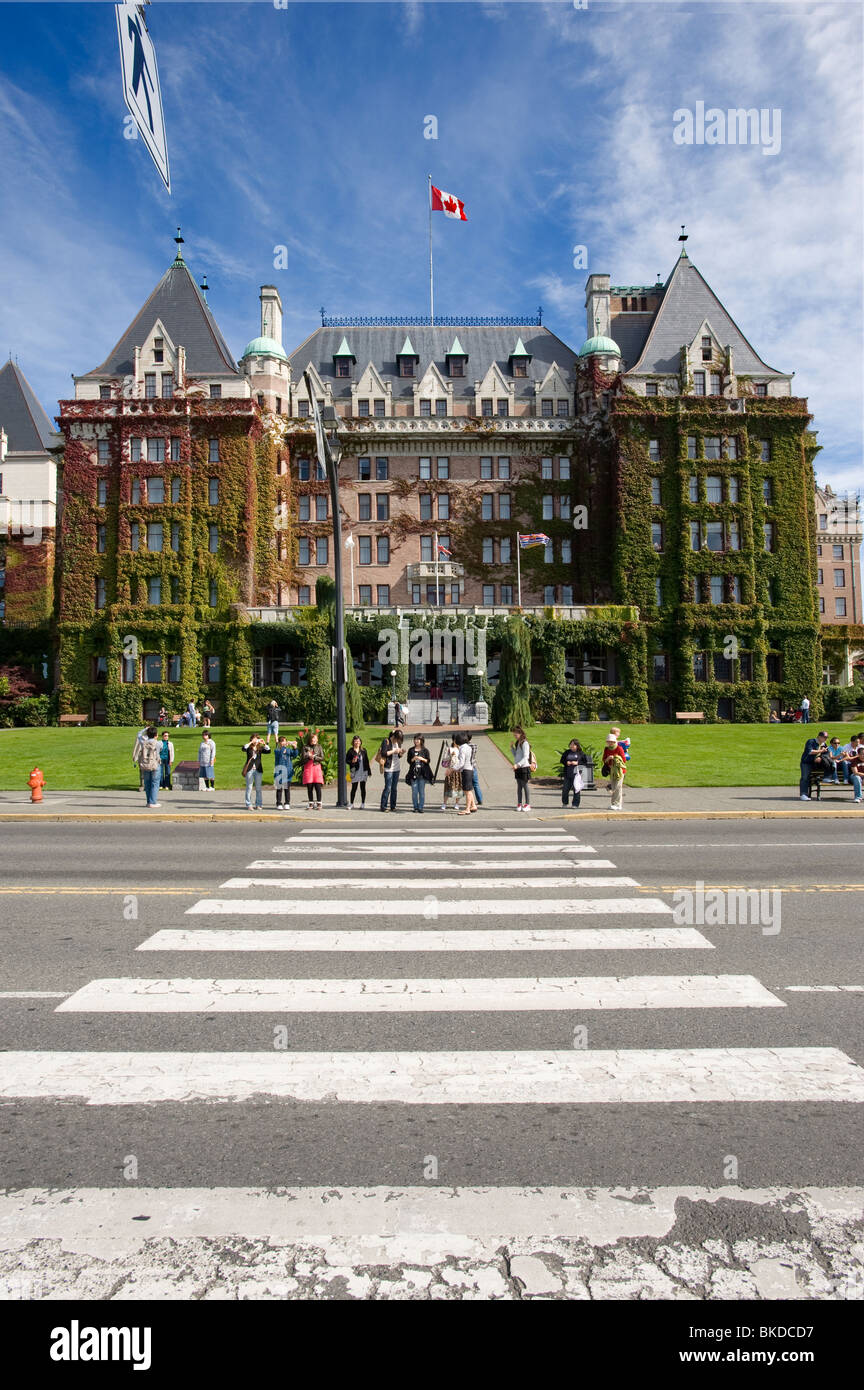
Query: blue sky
[304, 127]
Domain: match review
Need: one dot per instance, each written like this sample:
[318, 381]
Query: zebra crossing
[484, 872]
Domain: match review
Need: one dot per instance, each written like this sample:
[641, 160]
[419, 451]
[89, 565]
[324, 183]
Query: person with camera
[815, 761]
[419, 772]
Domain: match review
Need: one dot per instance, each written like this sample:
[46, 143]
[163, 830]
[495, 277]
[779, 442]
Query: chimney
[597, 306]
[271, 313]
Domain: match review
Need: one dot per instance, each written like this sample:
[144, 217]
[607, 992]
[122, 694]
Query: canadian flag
[446, 203]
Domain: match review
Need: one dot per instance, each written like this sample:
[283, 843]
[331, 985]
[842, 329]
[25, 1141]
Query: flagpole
[431, 281]
[518, 571]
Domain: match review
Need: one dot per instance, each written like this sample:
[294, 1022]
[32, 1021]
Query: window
[382, 470]
[104, 393]
[134, 535]
[767, 491]
[714, 535]
[101, 540]
[706, 348]
[175, 535]
[383, 595]
[260, 398]
[715, 588]
[819, 551]
[212, 491]
[425, 506]
[837, 552]
[548, 506]
[128, 670]
[365, 594]
[547, 408]
[657, 535]
[654, 450]
[103, 451]
[488, 550]
[213, 593]
[425, 407]
[712, 446]
[655, 492]
[364, 470]
[765, 450]
[693, 488]
[303, 409]
[723, 670]
[549, 594]
[819, 577]
[426, 468]
[768, 535]
[520, 367]
[304, 596]
[363, 408]
[382, 506]
[406, 366]
[168, 386]
[564, 469]
[343, 366]
[660, 664]
[823, 522]
[695, 536]
[651, 388]
[213, 539]
[155, 450]
[364, 550]
[150, 386]
[443, 506]
[761, 389]
[699, 666]
[821, 605]
[486, 512]
[154, 535]
[304, 551]
[715, 383]
[380, 409]
[564, 508]
[303, 470]
[135, 449]
[213, 451]
[99, 669]
[546, 468]
[506, 593]
[735, 589]
[485, 468]
[442, 466]
[155, 489]
[135, 492]
[504, 506]
[175, 458]
[486, 406]
[364, 506]
[303, 507]
[320, 506]
[691, 446]
[504, 550]
[839, 608]
[101, 492]
[158, 350]
[732, 448]
[426, 548]
[734, 488]
[504, 467]
[733, 536]
[457, 366]
[563, 408]
[382, 547]
[745, 666]
[549, 553]
[658, 592]
[321, 549]
[152, 668]
[566, 551]
[154, 589]
[488, 595]
[772, 593]
[839, 579]
[698, 383]
[440, 407]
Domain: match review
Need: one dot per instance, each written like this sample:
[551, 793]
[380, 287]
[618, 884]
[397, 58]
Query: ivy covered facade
[667, 469]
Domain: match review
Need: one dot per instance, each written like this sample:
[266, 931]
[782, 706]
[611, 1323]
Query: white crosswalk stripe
[498, 995]
[405, 866]
[415, 906]
[362, 881]
[529, 939]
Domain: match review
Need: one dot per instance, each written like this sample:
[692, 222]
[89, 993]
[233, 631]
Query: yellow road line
[751, 888]
[169, 892]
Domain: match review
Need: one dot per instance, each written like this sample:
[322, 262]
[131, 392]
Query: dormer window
[457, 366]
[343, 359]
[456, 359]
[706, 349]
[519, 359]
[158, 350]
[406, 358]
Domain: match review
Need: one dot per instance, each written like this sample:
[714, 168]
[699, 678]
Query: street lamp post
[329, 452]
[349, 546]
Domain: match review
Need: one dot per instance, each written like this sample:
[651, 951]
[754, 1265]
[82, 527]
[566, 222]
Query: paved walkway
[497, 783]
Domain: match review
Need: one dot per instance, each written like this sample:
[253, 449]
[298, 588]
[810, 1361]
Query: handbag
[605, 770]
[247, 766]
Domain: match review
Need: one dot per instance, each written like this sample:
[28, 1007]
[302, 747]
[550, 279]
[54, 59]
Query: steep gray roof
[484, 345]
[629, 331]
[185, 314]
[27, 426]
[687, 300]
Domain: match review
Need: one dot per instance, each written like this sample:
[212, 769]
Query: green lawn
[100, 759]
[668, 755]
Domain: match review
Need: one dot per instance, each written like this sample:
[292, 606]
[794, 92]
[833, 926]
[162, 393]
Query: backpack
[150, 755]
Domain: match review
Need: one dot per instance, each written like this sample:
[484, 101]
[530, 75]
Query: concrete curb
[24, 816]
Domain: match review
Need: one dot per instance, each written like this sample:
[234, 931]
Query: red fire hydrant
[36, 782]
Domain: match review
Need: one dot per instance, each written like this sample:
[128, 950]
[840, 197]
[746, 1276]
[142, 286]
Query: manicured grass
[100, 759]
[668, 755]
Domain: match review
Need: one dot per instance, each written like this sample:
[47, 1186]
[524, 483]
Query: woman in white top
[520, 751]
[466, 772]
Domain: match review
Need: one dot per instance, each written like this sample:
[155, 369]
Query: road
[594, 1041]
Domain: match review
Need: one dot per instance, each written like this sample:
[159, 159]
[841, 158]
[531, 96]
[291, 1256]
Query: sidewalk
[497, 784]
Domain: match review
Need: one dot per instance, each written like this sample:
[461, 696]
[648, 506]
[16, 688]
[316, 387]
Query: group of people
[790, 715]
[190, 717]
[458, 760]
[616, 755]
[830, 761]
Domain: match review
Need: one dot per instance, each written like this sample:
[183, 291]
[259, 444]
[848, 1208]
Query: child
[623, 742]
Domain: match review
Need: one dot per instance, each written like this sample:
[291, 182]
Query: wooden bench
[77, 719]
[817, 781]
[683, 716]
